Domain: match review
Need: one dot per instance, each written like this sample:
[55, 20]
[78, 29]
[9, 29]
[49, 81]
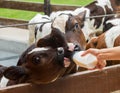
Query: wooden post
[47, 7]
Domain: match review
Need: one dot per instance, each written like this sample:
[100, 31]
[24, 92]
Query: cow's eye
[36, 60]
[76, 26]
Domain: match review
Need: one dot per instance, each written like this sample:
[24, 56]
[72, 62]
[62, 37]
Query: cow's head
[71, 26]
[43, 64]
[97, 42]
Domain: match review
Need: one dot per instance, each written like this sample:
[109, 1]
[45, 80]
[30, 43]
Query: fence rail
[105, 81]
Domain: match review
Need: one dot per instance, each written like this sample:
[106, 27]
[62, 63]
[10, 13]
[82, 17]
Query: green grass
[17, 14]
[27, 15]
[70, 2]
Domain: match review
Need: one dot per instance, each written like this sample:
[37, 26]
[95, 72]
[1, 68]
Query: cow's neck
[115, 4]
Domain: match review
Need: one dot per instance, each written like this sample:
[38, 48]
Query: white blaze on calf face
[38, 49]
[60, 22]
[111, 35]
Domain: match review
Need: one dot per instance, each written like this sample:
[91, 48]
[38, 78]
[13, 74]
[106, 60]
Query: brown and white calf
[43, 62]
[109, 39]
[71, 26]
[91, 26]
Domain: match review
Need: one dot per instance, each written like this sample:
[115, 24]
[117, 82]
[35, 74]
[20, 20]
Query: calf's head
[44, 63]
[71, 26]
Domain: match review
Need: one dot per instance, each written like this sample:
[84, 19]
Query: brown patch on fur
[117, 41]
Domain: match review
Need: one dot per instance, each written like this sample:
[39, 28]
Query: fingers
[94, 52]
[101, 64]
[104, 56]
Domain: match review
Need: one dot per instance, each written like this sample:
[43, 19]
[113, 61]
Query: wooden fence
[105, 81]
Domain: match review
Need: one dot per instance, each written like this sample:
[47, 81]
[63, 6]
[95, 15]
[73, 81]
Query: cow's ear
[14, 72]
[54, 40]
[43, 42]
[82, 15]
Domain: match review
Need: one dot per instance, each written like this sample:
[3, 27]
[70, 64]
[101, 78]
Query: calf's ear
[14, 72]
[82, 15]
[54, 40]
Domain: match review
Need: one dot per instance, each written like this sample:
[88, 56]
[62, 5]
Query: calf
[94, 25]
[43, 62]
[109, 39]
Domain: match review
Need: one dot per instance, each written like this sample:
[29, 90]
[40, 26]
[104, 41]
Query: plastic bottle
[88, 61]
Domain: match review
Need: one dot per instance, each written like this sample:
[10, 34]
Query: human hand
[96, 52]
[92, 51]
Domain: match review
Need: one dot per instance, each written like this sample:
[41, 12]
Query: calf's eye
[36, 60]
[76, 26]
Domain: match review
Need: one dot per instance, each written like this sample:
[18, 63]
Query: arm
[109, 53]
[104, 54]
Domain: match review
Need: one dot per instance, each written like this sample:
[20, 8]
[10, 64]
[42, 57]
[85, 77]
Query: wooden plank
[105, 81]
[8, 21]
[63, 7]
[30, 6]
[21, 5]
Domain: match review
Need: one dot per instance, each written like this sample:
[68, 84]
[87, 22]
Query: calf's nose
[60, 51]
[77, 48]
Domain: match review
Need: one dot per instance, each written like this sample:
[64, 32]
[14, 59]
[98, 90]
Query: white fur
[60, 22]
[114, 21]
[38, 18]
[111, 35]
[53, 15]
[89, 28]
[38, 49]
[46, 30]
[3, 82]
[104, 3]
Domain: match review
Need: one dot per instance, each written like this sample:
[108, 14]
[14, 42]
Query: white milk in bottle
[88, 61]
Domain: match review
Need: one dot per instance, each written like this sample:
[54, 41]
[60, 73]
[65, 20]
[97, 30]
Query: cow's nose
[77, 48]
[60, 51]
